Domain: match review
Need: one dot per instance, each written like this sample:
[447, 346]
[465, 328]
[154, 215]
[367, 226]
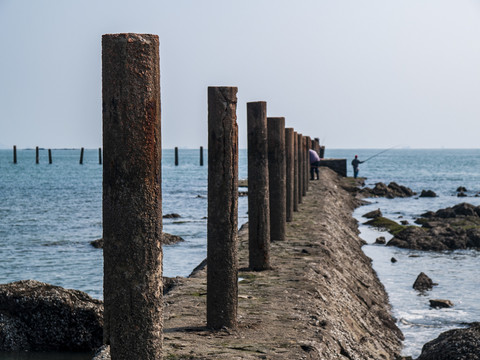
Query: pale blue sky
[356, 74]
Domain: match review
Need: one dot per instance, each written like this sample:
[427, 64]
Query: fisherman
[355, 163]
[314, 163]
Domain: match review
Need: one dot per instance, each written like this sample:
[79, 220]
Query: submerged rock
[428, 193]
[171, 216]
[457, 344]
[35, 316]
[380, 240]
[440, 303]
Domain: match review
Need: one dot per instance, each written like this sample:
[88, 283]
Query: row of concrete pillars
[132, 199]
[50, 157]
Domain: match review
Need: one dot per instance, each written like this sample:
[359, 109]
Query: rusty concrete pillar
[300, 167]
[322, 151]
[277, 177]
[132, 198]
[222, 261]
[308, 146]
[317, 145]
[258, 193]
[289, 179]
[304, 166]
[295, 171]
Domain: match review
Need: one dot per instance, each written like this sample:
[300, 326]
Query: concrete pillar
[37, 155]
[201, 155]
[300, 167]
[81, 156]
[258, 193]
[222, 262]
[289, 164]
[295, 171]
[132, 198]
[49, 156]
[14, 154]
[100, 156]
[317, 145]
[304, 166]
[322, 151]
[277, 177]
[176, 156]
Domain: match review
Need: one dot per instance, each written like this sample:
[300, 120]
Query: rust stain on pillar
[300, 167]
[295, 171]
[277, 177]
[289, 164]
[132, 198]
[258, 192]
[222, 261]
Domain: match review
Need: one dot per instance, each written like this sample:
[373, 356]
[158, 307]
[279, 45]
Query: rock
[380, 240]
[440, 303]
[461, 194]
[35, 316]
[423, 283]
[457, 344]
[393, 260]
[391, 191]
[167, 239]
[171, 216]
[461, 189]
[373, 214]
[404, 222]
[98, 244]
[243, 193]
[428, 193]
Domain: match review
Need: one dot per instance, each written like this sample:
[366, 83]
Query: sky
[356, 74]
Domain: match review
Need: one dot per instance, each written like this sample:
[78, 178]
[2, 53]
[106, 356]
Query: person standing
[314, 163]
[355, 163]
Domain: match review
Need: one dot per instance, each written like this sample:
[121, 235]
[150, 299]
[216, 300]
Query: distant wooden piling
[132, 197]
[295, 171]
[222, 261]
[258, 192]
[100, 156]
[300, 167]
[37, 155]
[201, 155]
[277, 177]
[176, 156]
[289, 179]
[50, 156]
[81, 156]
[14, 154]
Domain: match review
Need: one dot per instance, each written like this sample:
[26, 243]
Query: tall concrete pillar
[305, 167]
[222, 262]
[295, 171]
[132, 197]
[289, 164]
[258, 193]
[300, 167]
[322, 151]
[277, 177]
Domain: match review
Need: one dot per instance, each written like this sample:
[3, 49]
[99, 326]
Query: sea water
[49, 213]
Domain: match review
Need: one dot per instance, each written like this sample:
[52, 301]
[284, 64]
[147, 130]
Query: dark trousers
[314, 168]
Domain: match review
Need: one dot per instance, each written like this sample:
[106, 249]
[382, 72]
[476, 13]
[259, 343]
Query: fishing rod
[381, 152]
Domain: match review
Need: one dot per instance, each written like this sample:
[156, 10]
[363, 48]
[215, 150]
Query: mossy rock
[383, 223]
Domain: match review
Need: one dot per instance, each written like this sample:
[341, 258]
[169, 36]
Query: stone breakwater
[320, 300]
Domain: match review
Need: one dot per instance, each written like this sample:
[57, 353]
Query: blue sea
[49, 213]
